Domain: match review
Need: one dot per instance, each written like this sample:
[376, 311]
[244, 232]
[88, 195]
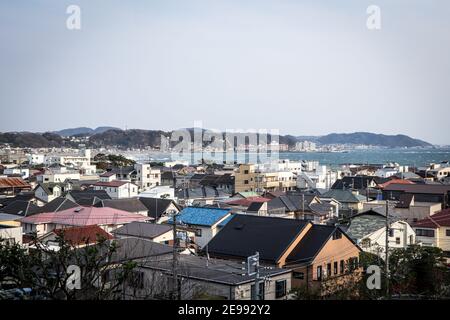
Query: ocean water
[410, 157]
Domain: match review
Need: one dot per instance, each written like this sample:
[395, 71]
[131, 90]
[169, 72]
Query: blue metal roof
[201, 216]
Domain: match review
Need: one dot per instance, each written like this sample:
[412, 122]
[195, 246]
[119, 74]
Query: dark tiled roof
[419, 188]
[156, 207]
[21, 208]
[255, 206]
[243, 235]
[88, 197]
[311, 244]
[130, 205]
[143, 229]
[58, 204]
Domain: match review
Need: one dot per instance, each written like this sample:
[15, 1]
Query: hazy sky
[303, 67]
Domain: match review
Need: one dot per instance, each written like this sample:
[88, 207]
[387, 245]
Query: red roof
[85, 216]
[395, 181]
[440, 219]
[83, 235]
[13, 183]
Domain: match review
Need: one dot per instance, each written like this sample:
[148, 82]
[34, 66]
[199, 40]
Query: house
[133, 205]
[58, 173]
[10, 235]
[300, 206]
[47, 192]
[118, 189]
[108, 176]
[20, 208]
[10, 186]
[160, 210]
[12, 220]
[107, 218]
[406, 208]
[206, 278]
[168, 178]
[312, 251]
[76, 237]
[87, 197]
[435, 193]
[368, 230]
[434, 231]
[58, 204]
[203, 220]
[161, 233]
[22, 172]
[164, 192]
[350, 202]
[146, 176]
[200, 195]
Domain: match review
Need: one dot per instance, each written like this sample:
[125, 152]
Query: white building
[118, 189]
[36, 158]
[80, 161]
[159, 192]
[23, 172]
[58, 173]
[146, 176]
[320, 178]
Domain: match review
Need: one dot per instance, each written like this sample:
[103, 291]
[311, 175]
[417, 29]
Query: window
[319, 273]
[391, 233]
[411, 239]
[280, 289]
[342, 266]
[298, 275]
[137, 279]
[328, 269]
[337, 234]
[447, 232]
[397, 240]
[335, 267]
[424, 233]
[261, 293]
[245, 171]
[198, 232]
[245, 181]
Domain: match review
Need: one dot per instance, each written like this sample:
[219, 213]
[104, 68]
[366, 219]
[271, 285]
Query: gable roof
[84, 216]
[58, 204]
[419, 188]
[311, 244]
[6, 183]
[83, 235]
[365, 223]
[20, 208]
[344, 196]
[127, 204]
[440, 219]
[156, 206]
[88, 197]
[201, 216]
[143, 229]
[243, 235]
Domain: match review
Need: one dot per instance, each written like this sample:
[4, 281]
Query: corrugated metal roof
[13, 183]
[201, 216]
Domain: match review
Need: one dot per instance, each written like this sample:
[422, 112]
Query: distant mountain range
[83, 131]
[135, 138]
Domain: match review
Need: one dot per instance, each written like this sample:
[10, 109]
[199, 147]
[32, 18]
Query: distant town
[176, 229]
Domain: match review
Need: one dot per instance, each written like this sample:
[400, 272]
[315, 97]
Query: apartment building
[281, 176]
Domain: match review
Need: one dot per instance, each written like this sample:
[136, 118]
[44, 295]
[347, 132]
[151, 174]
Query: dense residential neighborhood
[221, 230]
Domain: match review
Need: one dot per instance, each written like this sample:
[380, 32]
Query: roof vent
[78, 209]
[239, 227]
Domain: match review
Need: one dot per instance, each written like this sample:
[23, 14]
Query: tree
[46, 271]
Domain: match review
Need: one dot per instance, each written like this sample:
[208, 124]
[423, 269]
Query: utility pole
[256, 261]
[175, 284]
[387, 249]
